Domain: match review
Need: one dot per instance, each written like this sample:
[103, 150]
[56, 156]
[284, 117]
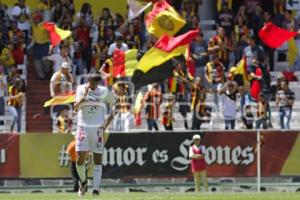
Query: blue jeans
[152, 124]
[2, 109]
[261, 122]
[229, 124]
[285, 114]
[17, 114]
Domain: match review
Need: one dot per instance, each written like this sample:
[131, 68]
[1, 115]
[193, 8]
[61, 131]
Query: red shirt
[256, 85]
[83, 35]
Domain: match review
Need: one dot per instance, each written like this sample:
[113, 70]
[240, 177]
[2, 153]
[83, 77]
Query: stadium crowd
[211, 73]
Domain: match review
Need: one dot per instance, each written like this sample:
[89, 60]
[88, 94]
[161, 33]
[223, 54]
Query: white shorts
[89, 139]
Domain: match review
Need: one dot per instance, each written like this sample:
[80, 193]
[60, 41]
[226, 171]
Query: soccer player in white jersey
[91, 105]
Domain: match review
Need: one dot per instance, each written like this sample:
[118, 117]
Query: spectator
[21, 13]
[40, 39]
[250, 6]
[200, 55]
[197, 156]
[269, 51]
[198, 104]
[167, 117]
[123, 121]
[214, 74]
[64, 122]
[229, 101]
[132, 38]
[221, 45]
[62, 57]
[3, 87]
[285, 99]
[225, 19]
[276, 87]
[253, 52]
[16, 37]
[6, 57]
[86, 14]
[15, 102]
[119, 44]
[195, 22]
[262, 107]
[105, 21]
[256, 75]
[62, 81]
[248, 118]
[241, 35]
[152, 101]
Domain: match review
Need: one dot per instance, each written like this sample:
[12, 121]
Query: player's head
[94, 77]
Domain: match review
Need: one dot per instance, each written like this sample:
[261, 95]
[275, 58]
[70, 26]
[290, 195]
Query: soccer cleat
[82, 189]
[95, 193]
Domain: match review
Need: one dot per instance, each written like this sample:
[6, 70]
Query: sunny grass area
[156, 196]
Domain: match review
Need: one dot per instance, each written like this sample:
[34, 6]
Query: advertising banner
[9, 156]
[44, 155]
[160, 154]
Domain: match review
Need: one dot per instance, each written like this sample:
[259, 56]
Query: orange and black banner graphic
[231, 154]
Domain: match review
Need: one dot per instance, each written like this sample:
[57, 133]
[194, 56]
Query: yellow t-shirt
[39, 34]
[6, 57]
[41, 6]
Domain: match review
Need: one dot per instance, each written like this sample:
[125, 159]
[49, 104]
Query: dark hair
[94, 75]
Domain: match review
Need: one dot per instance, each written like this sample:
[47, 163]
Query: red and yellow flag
[61, 100]
[163, 19]
[156, 64]
[124, 63]
[56, 34]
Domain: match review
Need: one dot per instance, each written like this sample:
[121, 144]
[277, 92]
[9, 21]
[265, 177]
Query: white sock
[97, 174]
[81, 172]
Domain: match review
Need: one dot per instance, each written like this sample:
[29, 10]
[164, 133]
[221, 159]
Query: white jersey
[92, 112]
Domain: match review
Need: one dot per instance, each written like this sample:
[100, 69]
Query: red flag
[274, 36]
[56, 34]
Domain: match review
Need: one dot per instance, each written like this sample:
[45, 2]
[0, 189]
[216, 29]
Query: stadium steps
[37, 94]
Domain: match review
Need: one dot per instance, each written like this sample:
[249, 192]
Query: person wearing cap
[92, 102]
[197, 156]
[61, 81]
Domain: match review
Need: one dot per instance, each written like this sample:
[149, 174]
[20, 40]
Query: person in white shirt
[91, 105]
[21, 13]
[119, 44]
[60, 58]
[229, 100]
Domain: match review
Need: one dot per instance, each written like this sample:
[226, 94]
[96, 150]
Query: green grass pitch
[155, 196]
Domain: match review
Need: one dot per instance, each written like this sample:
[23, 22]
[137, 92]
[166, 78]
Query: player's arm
[80, 96]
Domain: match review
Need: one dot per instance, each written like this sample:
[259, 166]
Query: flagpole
[258, 153]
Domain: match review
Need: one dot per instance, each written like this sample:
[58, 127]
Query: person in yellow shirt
[6, 57]
[40, 41]
[64, 122]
